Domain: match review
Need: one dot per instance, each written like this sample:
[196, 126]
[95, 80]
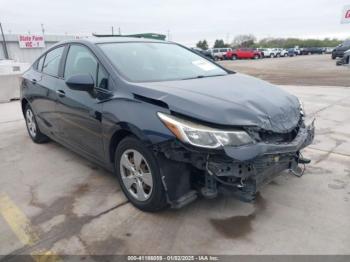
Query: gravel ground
[300, 70]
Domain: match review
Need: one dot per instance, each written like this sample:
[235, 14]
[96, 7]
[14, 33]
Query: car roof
[99, 40]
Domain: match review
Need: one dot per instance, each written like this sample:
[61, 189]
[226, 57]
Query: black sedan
[168, 122]
[312, 51]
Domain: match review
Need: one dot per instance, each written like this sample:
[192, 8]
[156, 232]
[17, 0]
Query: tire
[32, 126]
[286, 54]
[278, 55]
[256, 57]
[334, 57]
[272, 55]
[234, 57]
[147, 196]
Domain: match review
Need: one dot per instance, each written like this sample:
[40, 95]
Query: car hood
[231, 100]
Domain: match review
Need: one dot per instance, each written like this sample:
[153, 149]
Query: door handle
[61, 93]
[33, 81]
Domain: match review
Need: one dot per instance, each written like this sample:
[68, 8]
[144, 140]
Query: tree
[202, 44]
[220, 43]
[292, 42]
[244, 40]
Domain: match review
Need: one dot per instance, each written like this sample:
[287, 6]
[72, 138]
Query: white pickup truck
[269, 52]
[282, 52]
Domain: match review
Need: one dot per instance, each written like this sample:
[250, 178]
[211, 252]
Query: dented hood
[233, 100]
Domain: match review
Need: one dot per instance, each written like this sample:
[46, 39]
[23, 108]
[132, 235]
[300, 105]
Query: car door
[80, 111]
[243, 52]
[44, 80]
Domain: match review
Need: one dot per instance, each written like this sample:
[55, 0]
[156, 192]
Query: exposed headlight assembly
[203, 136]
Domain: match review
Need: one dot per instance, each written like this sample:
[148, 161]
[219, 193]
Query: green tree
[244, 41]
[292, 42]
[220, 43]
[203, 44]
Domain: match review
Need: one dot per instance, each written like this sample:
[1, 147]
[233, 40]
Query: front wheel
[32, 126]
[256, 56]
[234, 57]
[139, 175]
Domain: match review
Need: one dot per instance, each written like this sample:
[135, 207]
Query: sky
[186, 21]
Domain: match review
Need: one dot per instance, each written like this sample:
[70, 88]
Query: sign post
[4, 46]
[31, 41]
[345, 19]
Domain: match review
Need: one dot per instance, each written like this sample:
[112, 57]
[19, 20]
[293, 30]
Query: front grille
[276, 138]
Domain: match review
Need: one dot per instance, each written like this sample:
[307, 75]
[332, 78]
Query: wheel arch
[119, 134]
[24, 103]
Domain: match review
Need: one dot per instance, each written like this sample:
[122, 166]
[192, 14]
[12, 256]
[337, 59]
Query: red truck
[241, 53]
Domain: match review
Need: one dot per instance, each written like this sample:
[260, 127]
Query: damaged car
[171, 124]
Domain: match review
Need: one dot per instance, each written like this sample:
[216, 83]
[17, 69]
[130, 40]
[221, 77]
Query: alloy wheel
[31, 123]
[136, 174]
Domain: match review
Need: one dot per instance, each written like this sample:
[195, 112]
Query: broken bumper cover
[239, 171]
[304, 138]
[256, 165]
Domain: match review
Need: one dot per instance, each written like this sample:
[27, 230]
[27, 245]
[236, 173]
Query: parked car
[282, 52]
[345, 60]
[293, 51]
[340, 49]
[268, 52]
[312, 50]
[200, 51]
[329, 50]
[219, 53]
[243, 53]
[169, 123]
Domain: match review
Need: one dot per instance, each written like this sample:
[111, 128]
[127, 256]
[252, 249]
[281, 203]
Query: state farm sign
[346, 15]
[31, 41]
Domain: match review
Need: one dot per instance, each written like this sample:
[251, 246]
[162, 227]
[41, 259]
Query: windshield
[152, 62]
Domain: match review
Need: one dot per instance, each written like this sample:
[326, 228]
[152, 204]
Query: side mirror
[81, 82]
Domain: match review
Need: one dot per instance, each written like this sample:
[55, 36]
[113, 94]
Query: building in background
[26, 48]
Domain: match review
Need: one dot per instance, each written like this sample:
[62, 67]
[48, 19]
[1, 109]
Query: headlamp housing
[203, 136]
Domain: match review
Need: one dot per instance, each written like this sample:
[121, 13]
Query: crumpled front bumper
[255, 165]
[304, 138]
[240, 171]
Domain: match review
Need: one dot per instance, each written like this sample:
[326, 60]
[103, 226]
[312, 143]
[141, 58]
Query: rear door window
[52, 61]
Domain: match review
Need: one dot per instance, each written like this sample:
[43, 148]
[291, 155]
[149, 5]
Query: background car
[282, 52]
[345, 60]
[268, 52]
[340, 49]
[219, 53]
[312, 50]
[244, 53]
[329, 50]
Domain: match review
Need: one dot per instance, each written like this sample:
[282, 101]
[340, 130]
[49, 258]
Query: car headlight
[203, 136]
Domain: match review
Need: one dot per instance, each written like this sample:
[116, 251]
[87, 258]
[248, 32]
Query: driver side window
[81, 61]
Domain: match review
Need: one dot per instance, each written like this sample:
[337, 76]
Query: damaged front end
[239, 170]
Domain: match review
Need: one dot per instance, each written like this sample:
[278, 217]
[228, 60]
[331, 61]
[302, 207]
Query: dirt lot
[53, 201]
[300, 70]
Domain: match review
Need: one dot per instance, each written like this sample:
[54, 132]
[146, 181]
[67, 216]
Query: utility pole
[42, 29]
[4, 46]
[112, 30]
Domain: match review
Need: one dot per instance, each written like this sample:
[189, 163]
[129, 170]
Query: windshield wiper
[201, 76]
